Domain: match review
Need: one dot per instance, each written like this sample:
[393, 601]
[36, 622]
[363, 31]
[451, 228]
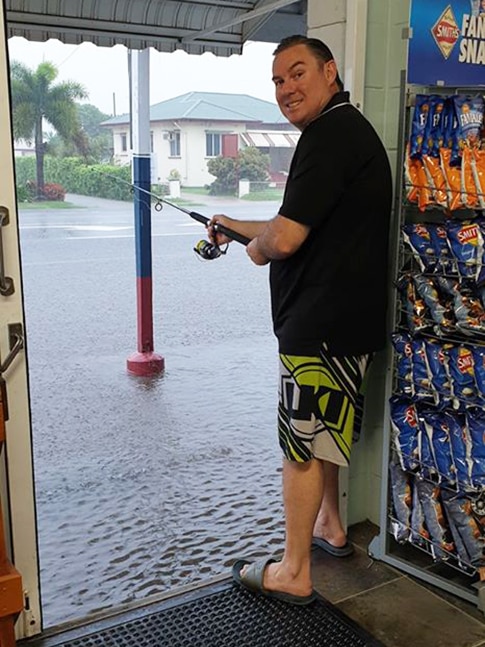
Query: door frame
[16, 461]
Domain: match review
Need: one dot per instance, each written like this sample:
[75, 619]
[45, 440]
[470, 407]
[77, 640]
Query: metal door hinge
[6, 282]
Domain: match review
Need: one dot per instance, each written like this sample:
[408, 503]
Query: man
[328, 276]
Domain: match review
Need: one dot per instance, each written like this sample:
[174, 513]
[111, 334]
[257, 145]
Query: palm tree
[35, 98]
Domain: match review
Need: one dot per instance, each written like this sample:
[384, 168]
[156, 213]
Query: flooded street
[143, 485]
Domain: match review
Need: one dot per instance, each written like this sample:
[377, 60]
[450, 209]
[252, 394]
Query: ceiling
[195, 26]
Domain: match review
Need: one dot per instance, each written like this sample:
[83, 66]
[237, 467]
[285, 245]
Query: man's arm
[273, 239]
[248, 228]
[278, 239]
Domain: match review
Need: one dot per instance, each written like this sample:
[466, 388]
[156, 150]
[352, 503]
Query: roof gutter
[249, 15]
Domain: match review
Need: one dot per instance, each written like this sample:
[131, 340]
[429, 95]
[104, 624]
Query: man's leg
[328, 524]
[302, 495]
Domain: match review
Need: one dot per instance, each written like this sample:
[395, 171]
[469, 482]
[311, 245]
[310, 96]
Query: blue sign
[447, 45]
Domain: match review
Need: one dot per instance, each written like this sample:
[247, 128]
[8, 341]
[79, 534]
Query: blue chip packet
[466, 243]
[405, 429]
[440, 377]
[439, 433]
[442, 547]
[427, 462]
[475, 419]
[440, 307]
[478, 353]
[460, 448]
[419, 533]
[401, 500]
[445, 262]
[418, 238]
[418, 125]
[423, 389]
[417, 316]
[460, 364]
[466, 512]
[404, 364]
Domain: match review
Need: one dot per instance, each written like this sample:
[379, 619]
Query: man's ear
[331, 71]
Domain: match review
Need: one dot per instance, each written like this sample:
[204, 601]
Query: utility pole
[144, 361]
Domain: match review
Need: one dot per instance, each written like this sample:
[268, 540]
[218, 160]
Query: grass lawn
[48, 204]
[197, 190]
[267, 194]
[182, 202]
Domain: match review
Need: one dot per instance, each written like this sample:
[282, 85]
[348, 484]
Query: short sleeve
[317, 178]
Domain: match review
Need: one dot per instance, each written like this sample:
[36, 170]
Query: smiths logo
[446, 32]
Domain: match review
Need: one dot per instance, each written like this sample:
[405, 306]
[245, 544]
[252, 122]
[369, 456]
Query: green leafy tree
[36, 98]
[249, 164]
[253, 165]
[93, 142]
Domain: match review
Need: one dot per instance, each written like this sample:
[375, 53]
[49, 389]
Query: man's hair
[317, 47]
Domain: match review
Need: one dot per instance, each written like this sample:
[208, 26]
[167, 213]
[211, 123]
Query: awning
[270, 138]
[195, 26]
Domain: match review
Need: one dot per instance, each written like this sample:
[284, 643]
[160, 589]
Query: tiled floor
[395, 608]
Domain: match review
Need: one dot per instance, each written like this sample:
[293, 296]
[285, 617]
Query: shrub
[23, 194]
[174, 175]
[27, 192]
[160, 189]
[99, 180]
[53, 192]
[224, 170]
[250, 164]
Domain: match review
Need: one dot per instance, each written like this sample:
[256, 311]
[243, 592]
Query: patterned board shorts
[320, 405]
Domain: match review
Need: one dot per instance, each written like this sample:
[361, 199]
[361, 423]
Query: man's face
[304, 84]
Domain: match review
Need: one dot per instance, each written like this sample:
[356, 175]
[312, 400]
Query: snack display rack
[432, 516]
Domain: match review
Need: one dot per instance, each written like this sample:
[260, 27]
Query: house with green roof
[190, 129]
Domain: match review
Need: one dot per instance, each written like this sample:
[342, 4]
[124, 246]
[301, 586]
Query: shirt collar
[338, 97]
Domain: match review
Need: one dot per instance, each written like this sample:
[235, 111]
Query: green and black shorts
[320, 405]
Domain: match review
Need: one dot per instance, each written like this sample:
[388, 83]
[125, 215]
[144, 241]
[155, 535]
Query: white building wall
[121, 157]
[385, 57]
[192, 163]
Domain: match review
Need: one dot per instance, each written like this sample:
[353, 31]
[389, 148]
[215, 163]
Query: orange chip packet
[436, 179]
[478, 168]
[452, 176]
[411, 176]
[469, 197]
[425, 195]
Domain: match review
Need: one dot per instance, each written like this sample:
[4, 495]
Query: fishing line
[205, 249]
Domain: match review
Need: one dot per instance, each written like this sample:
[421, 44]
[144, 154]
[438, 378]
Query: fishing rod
[203, 248]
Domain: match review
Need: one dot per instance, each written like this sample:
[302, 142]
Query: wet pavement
[143, 485]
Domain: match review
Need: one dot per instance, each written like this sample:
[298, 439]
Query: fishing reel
[208, 251]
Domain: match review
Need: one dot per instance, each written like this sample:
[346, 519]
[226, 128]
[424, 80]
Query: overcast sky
[103, 71]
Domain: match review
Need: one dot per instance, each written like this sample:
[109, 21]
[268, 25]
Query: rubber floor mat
[221, 616]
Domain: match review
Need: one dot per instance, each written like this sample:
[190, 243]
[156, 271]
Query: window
[175, 143]
[124, 147]
[212, 144]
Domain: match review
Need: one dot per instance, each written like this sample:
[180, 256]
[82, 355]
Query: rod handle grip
[223, 230]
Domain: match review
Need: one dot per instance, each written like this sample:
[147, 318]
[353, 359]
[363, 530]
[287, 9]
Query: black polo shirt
[334, 288]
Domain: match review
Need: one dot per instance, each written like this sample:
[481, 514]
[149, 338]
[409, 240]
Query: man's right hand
[215, 237]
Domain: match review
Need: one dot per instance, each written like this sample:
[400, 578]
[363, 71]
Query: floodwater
[145, 485]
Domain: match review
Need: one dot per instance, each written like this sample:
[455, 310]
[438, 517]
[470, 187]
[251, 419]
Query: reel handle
[224, 230]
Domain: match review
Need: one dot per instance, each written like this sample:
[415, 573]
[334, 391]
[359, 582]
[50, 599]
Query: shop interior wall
[385, 57]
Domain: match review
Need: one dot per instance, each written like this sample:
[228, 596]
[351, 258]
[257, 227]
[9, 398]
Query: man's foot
[345, 550]
[268, 578]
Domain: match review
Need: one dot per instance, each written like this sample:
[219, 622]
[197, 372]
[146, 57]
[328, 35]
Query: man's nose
[288, 87]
